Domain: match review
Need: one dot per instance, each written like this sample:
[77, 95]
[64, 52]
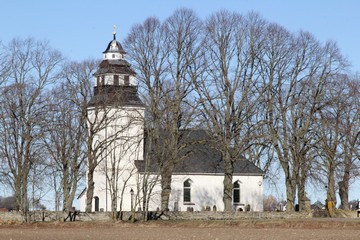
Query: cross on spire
[114, 32]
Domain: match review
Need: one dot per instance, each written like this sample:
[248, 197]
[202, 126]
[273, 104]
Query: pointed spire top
[114, 32]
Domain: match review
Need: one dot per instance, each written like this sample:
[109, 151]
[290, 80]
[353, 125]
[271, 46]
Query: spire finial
[114, 32]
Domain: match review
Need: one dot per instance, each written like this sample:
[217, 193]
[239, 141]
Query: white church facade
[197, 181]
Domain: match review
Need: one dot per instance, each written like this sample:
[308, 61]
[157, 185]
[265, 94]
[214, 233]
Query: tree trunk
[302, 194]
[165, 189]
[65, 189]
[344, 197]
[73, 190]
[331, 197]
[290, 194]
[228, 185]
[90, 191]
[17, 193]
[303, 199]
[25, 203]
[344, 185]
[114, 193]
[113, 207]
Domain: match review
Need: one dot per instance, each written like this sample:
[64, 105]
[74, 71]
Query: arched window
[236, 192]
[187, 191]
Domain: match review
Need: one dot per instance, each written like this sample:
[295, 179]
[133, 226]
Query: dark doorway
[96, 204]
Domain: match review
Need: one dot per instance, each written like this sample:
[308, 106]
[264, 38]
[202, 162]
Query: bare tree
[95, 117]
[145, 46]
[329, 137]
[296, 69]
[4, 67]
[228, 92]
[270, 203]
[165, 57]
[32, 66]
[345, 95]
[65, 139]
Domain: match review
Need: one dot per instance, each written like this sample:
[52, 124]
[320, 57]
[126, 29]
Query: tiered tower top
[115, 81]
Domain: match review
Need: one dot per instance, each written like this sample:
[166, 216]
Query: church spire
[114, 32]
[114, 49]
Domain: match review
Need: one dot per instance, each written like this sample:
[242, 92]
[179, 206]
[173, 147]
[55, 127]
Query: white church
[197, 180]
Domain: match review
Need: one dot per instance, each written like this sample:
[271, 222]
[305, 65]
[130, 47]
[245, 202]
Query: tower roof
[114, 46]
[116, 96]
[118, 66]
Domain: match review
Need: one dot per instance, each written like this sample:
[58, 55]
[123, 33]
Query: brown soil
[245, 229]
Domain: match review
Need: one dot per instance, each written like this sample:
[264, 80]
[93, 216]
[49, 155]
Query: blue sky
[81, 29]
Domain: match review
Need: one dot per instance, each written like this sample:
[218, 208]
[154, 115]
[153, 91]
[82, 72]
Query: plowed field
[246, 229]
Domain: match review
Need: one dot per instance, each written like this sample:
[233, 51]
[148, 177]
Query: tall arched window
[236, 192]
[187, 191]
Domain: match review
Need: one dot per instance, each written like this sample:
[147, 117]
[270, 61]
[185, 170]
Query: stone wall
[204, 215]
[48, 216]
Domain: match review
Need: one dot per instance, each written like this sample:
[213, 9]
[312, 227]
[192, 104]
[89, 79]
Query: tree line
[275, 97]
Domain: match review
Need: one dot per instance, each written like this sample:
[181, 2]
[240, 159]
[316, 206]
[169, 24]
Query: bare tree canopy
[32, 66]
[166, 59]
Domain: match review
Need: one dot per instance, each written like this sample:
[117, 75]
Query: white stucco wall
[125, 132]
[207, 191]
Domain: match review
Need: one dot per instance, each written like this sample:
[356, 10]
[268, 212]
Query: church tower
[115, 119]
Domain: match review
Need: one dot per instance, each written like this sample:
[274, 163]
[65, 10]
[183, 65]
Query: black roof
[118, 45]
[200, 157]
[118, 66]
[110, 95]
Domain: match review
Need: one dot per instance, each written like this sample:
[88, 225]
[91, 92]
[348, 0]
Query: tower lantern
[115, 76]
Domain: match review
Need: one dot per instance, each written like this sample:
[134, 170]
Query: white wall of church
[116, 169]
[207, 191]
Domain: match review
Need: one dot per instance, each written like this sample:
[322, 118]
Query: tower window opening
[116, 79]
[126, 80]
